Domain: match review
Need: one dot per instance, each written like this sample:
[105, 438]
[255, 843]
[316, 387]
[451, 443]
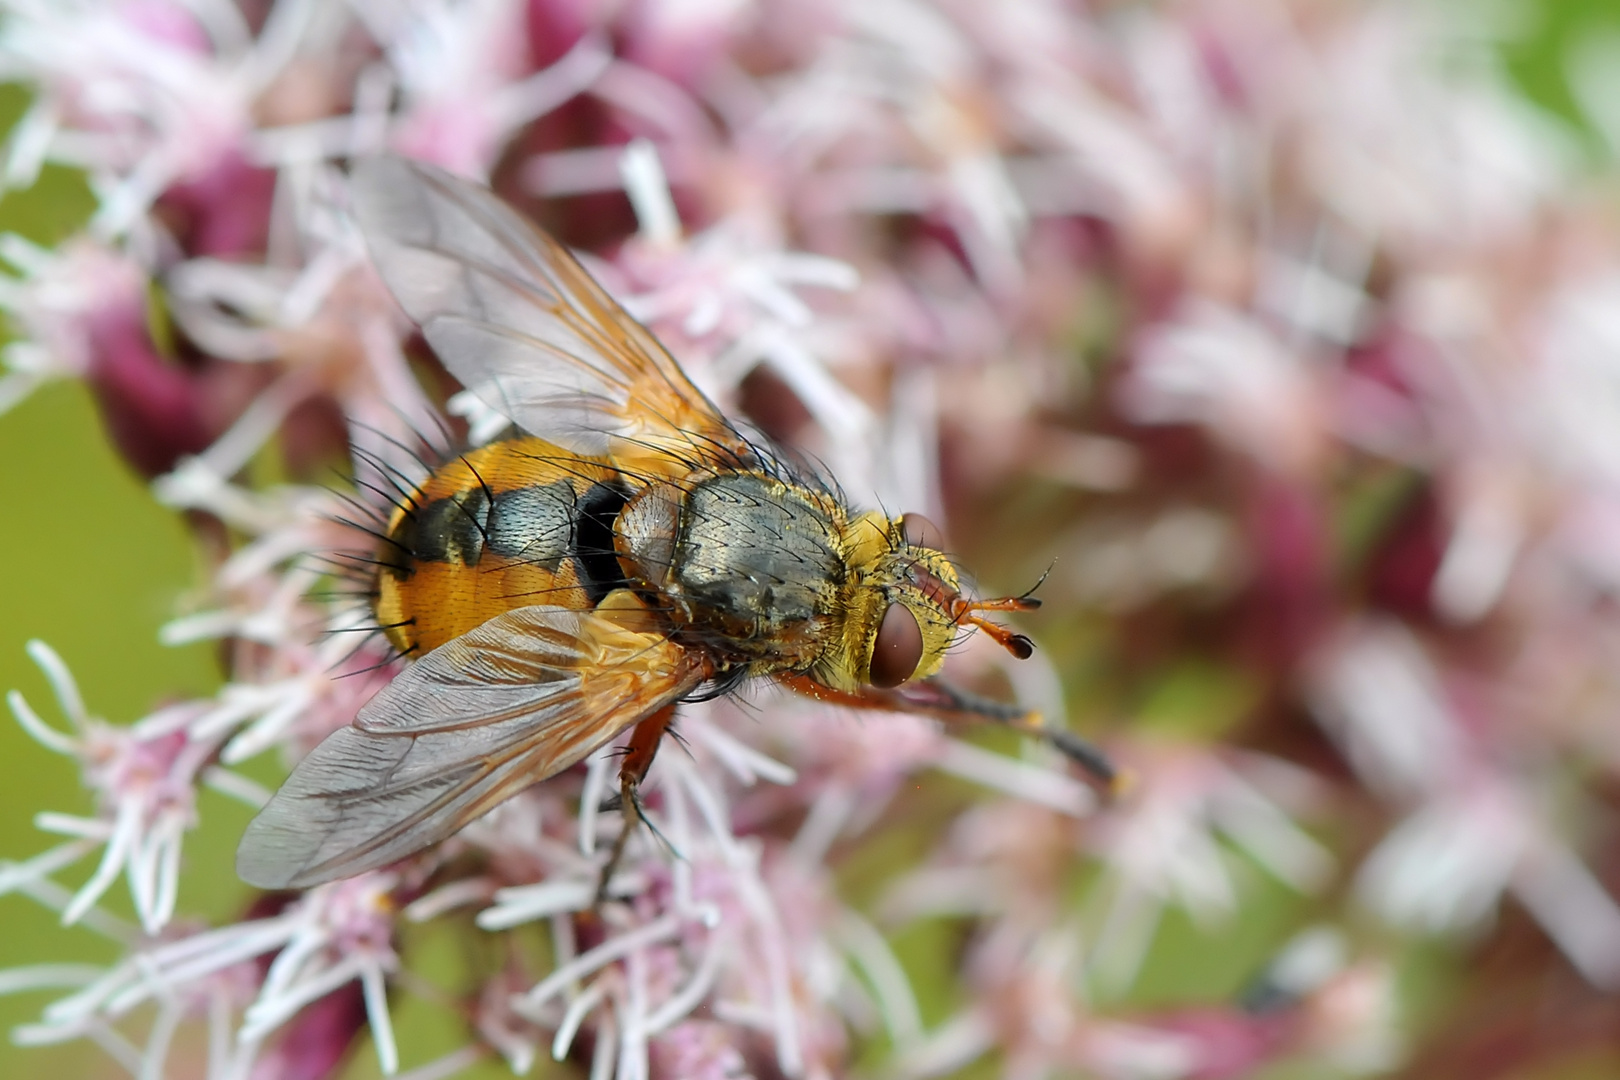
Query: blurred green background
[92, 565]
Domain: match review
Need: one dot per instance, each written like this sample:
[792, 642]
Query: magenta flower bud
[1287, 603]
[555, 26]
[153, 407]
[159, 409]
[318, 1040]
[1403, 561]
[222, 211]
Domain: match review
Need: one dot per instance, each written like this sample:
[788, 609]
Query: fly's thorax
[755, 560]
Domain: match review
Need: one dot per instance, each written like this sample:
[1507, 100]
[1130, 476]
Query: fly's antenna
[1029, 593]
[1015, 643]
[962, 610]
[1020, 646]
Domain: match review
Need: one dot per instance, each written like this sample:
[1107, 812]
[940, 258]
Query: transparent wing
[467, 726]
[516, 318]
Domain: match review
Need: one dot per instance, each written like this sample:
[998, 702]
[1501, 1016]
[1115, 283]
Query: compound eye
[898, 649]
[920, 532]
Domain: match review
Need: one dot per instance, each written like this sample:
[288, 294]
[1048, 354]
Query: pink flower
[144, 779]
[1280, 334]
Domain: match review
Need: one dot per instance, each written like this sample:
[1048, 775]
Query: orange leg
[638, 758]
[940, 700]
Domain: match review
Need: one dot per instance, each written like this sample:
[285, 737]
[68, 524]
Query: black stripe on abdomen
[450, 530]
[594, 553]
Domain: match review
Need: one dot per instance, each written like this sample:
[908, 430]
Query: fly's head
[903, 607]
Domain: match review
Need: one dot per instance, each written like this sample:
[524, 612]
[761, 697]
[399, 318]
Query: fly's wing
[516, 318]
[470, 724]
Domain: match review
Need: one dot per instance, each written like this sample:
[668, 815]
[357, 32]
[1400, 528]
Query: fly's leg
[638, 758]
[942, 701]
[1084, 753]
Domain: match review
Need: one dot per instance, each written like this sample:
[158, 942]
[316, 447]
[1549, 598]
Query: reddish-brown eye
[899, 648]
[920, 532]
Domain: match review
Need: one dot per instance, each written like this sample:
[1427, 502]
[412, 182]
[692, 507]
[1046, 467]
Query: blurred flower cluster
[1283, 333]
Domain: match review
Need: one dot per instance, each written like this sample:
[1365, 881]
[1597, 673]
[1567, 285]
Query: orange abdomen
[509, 525]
